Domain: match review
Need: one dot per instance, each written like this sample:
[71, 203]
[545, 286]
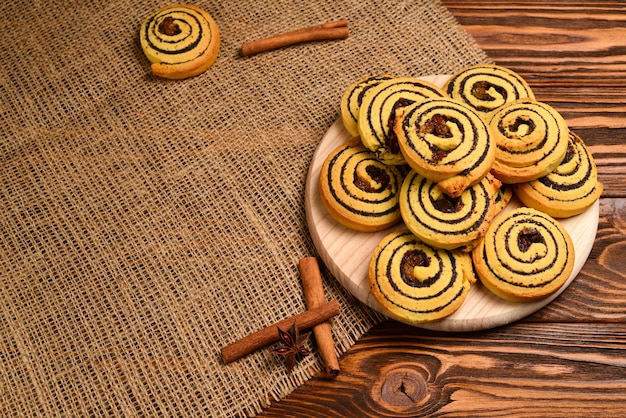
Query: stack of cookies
[445, 162]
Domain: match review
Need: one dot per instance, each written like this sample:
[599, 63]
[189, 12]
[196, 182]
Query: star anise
[293, 345]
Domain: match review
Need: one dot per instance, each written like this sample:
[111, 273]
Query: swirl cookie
[568, 190]
[416, 283]
[526, 255]
[485, 87]
[443, 221]
[358, 190]
[531, 140]
[352, 99]
[377, 114]
[502, 198]
[446, 142]
[180, 41]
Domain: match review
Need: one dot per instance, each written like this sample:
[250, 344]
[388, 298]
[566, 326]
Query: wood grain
[572, 61]
[533, 370]
[569, 359]
[573, 54]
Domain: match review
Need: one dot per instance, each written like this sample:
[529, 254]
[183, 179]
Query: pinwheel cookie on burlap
[180, 41]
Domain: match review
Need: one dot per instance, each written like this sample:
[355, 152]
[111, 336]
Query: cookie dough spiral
[526, 255]
[352, 99]
[416, 283]
[531, 139]
[358, 190]
[447, 142]
[445, 222]
[485, 87]
[377, 114]
[180, 41]
[570, 189]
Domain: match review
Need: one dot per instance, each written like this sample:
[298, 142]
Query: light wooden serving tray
[346, 253]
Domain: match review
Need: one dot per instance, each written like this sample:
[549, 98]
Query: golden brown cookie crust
[570, 189]
[180, 41]
[358, 190]
[446, 142]
[416, 283]
[525, 256]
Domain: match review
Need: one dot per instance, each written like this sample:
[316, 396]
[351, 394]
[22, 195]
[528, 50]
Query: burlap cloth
[146, 223]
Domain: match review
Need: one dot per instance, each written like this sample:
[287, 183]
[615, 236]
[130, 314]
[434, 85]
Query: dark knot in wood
[401, 389]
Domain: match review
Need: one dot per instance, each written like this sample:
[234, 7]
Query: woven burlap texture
[146, 223]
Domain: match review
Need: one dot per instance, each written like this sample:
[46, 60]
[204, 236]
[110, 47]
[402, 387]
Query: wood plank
[573, 61]
[527, 369]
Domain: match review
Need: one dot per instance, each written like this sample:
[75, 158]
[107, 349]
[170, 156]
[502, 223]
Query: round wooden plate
[346, 253]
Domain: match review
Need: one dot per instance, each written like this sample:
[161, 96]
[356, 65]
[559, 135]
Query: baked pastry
[446, 142]
[416, 283]
[358, 190]
[352, 99]
[443, 221]
[531, 139]
[502, 198]
[485, 87]
[526, 255]
[180, 41]
[568, 190]
[377, 114]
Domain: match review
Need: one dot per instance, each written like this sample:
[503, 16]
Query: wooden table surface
[570, 357]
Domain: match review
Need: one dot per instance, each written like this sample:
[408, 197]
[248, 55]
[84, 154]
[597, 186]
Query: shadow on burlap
[146, 223]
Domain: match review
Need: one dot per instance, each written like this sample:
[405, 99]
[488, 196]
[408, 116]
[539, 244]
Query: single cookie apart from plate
[180, 41]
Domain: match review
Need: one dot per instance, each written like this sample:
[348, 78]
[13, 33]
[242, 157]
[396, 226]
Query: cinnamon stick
[330, 30]
[269, 334]
[314, 297]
